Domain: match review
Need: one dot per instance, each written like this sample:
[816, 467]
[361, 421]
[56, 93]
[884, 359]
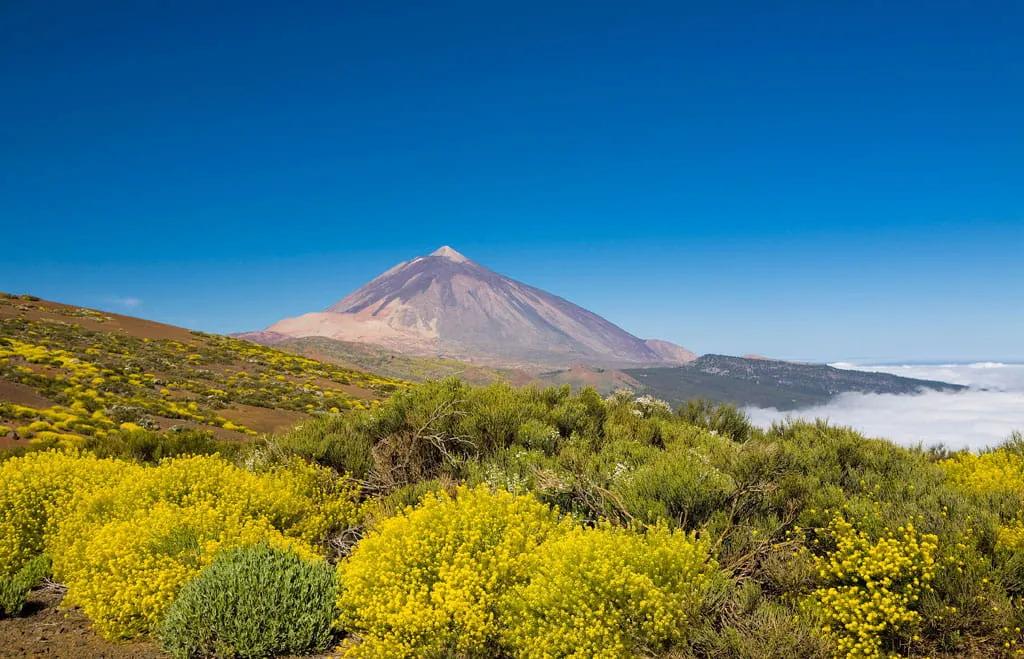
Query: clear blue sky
[837, 181]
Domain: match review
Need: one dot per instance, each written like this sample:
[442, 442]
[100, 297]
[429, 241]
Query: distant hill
[763, 382]
[68, 372]
[376, 359]
[444, 304]
[368, 357]
[757, 381]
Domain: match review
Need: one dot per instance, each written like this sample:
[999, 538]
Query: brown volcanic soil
[261, 419]
[44, 630]
[8, 441]
[22, 395]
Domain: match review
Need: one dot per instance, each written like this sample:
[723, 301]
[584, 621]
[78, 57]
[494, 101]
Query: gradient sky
[843, 181]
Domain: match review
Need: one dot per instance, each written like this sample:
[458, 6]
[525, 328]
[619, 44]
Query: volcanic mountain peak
[447, 252]
[445, 304]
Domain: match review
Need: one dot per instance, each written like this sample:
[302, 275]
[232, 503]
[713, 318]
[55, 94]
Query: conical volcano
[446, 304]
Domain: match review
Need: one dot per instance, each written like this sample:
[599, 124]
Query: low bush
[152, 447]
[36, 492]
[428, 582]
[753, 627]
[537, 435]
[124, 552]
[610, 592]
[332, 441]
[873, 587]
[721, 418]
[252, 601]
[678, 485]
[14, 589]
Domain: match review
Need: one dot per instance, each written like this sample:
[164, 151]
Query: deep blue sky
[834, 182]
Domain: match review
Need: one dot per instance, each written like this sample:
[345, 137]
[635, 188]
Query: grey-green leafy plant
[253, 601]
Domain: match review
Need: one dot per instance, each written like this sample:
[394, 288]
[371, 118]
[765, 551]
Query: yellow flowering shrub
[871, 587]
[303, 500]
[609, 592]
[36, 491]
[124, 551]
[995, 473]
[131, 569]
[125, 537]
[318, 503]
[996, 477]
[428, 582]
[1011, 536]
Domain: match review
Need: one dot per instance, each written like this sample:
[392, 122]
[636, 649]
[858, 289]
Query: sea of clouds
[983, 415]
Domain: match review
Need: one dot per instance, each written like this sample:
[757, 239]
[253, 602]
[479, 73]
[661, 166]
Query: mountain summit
[446, 304]
[447, 252]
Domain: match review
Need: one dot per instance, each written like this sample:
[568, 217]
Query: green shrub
[495, 414]
[756, 627]
[798, 476]
[635, 419]
[679, 486]
[721, 418]
[333, 441]
[151, 447]
[252, 601]
[535, 434]
[14, 589]
[514, 469]
[580, 414]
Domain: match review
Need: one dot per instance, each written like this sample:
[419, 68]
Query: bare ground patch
[20, 394]
[262, 419]
[45, 630]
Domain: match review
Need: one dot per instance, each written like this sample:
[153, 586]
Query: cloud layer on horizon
[984, 415]
[980, 375]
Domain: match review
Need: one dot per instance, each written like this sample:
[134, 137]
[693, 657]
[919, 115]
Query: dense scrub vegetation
[495, 521]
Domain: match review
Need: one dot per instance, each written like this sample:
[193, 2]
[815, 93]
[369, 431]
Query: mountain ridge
[447, 304]
[763, 382]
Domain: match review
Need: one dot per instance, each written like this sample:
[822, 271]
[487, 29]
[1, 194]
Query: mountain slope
[68, 373]
[375, 359]
[762, 382]
[446, 304]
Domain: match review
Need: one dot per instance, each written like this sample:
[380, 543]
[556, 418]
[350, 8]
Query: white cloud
[983, 415]
[126, 302]
[980, 375]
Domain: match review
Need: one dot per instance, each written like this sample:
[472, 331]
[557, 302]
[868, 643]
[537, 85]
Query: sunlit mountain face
[445, 303]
